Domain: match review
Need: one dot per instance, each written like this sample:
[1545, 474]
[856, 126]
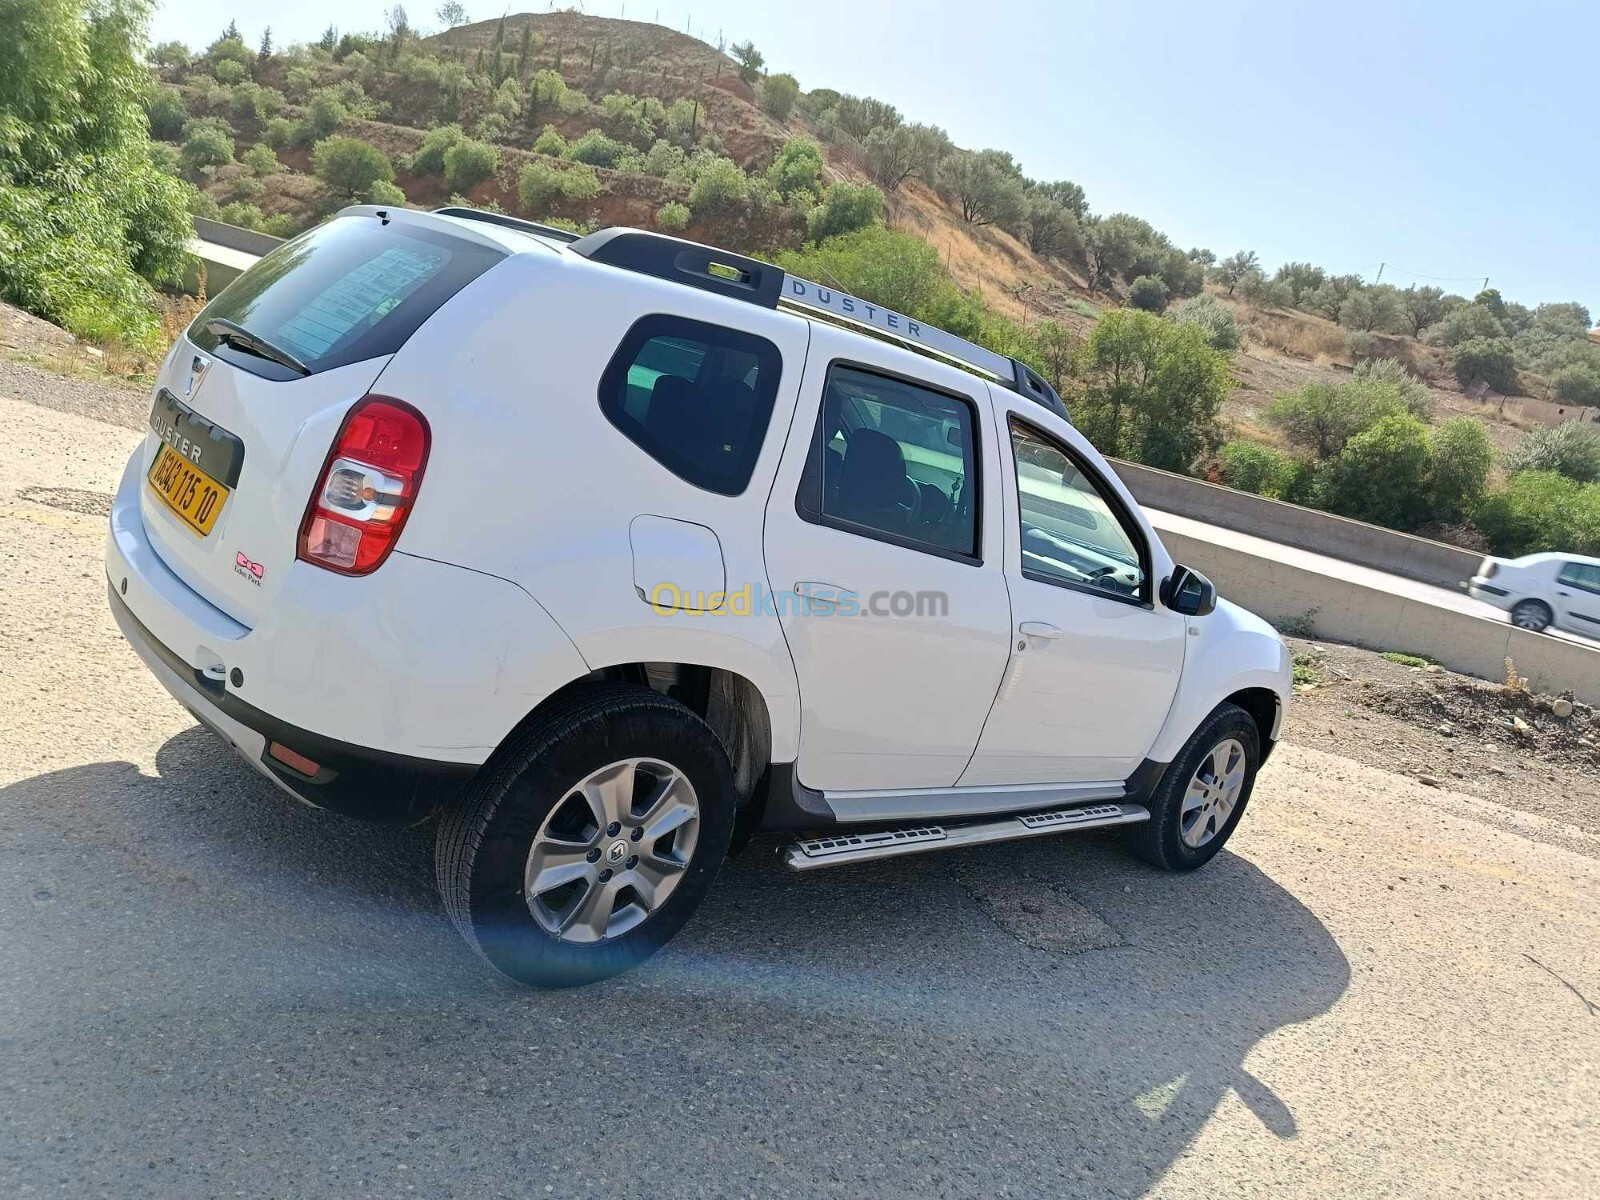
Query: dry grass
[1298, 335]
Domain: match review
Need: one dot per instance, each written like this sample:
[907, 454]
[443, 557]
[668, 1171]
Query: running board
[836, 849]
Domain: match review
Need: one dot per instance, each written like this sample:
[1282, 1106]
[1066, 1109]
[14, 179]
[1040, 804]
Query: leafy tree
[1371, 308]
[797, 168]
[280, 132]
[1570, 448]
[550, 142]
[1231, 270]
[858, 116]
[1206, 258]
[206, 144]
[1252, 467]
[260, 160]
[1067, 194]
[778, 94]
[1492, 361]
[540, 186]
[720, 185]
[1460, 457]
[1464, 323]
[324, 114]
[596, 149]
[170, 55]
[231, 48]
[163, 107]
[986, 185]
[241, 213]
[384, 192]
[1301, 278]
[1576, 383]
[1050, 228]
[1329, 298]
[350, 165]
[1323, 417]
[227, 71]
[468, 163]
[750, 60]
[492, 128]
[1376, 376]
[663, 159]
[1149, 293]
[1380, 474]
[1212, 317]
[1421, 307]
[429, 157]
[452, 13]
[87, 219]
[1111, 246]
[1151, 390]
[896, 153]
[1491, 300]
[1541, 511]
[672, 218]
[845, 208]
[547, 93]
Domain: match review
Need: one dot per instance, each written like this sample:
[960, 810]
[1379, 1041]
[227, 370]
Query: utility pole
[1379, 279]
[1485, 284]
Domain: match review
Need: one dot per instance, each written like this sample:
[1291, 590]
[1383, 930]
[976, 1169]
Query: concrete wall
[1350, 611]
[1337, 537]
[235, 238]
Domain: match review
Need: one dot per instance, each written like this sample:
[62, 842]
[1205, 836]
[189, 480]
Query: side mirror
[1188, 592]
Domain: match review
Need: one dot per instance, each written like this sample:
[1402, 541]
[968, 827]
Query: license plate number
[187, 490]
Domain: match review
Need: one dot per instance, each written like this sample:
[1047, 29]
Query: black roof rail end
[1028, 382]
[691, 263]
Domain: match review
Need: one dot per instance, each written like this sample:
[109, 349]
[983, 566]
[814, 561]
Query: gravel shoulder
[1383, 986]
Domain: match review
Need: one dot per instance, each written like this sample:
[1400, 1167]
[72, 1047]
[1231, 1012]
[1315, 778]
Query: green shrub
[241, 213]
[797, 168]
[493, 127]
[777, 94]
[1379, 475]
[1464, 323]
[279, 132]
[596, 149]
[282, 225]
[672, 218]
[550, 142]
[1575, 383]
[205, 145]
[1252, 467]
[1570, 448]
[260, 160]
[720, 185]
[1491, 360]
[1390, 374]
[1541, 511]
[540, 186]
[428, 158]
[231, 49]
[845, 208]
[1212, 317]
[228, 72]
[1148, 293]
[1323, 417]
[257, 104]
[384, 192]
[245, 187]
[350, 165]
[469, 163]
[324, 114]
[163, 106]
[1459, 459]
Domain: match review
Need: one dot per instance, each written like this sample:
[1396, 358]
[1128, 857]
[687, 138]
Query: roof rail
[762, 283]
[494, 218]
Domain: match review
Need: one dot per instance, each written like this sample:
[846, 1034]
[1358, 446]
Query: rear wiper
[240, 338]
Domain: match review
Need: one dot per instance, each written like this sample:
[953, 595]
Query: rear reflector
[366, 488]
[297, 762]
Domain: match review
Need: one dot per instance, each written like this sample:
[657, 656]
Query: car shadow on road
[870, 1029]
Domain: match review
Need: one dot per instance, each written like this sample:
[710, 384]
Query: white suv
[1543, 590]
[615, 550]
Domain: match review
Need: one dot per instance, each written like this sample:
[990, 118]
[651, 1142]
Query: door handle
[1039, 629]
[1563, 595]
[812, 587]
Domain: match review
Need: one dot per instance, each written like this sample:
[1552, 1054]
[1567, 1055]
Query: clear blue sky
[1446, 139]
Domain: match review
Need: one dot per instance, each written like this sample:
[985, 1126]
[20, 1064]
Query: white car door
[1577, 597]
[883, 551]
[1094, 655]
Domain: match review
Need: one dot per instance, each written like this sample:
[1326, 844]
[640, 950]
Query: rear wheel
[1199, 801]
[1533, 615]
[590, 837]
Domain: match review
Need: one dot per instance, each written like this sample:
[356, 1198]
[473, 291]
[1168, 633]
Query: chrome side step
[836, 849]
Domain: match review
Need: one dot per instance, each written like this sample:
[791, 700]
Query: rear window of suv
[352, 289]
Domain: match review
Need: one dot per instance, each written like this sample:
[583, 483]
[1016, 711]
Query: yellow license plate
[187, 490]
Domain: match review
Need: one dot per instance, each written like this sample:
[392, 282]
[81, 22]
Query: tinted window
[1581, 575]
[894, 458]
[1072, 531]
[695, 397]
[351, 289]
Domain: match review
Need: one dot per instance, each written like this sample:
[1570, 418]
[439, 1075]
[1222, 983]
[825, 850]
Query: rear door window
[1581, 575]
[695, 397]
[349, 290]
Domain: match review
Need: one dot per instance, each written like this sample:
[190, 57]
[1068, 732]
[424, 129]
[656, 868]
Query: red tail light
[367, 487]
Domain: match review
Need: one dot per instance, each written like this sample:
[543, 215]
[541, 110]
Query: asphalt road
[1379, 989]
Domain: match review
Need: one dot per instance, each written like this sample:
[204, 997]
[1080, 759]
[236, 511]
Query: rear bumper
[359, 782]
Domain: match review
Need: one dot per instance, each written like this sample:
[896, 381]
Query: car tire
[531, 817]
[1533, 615]
[1187, 828]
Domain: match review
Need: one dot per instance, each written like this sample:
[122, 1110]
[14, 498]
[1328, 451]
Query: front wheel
[1532, 615]
[589, 839]
[1199, 801]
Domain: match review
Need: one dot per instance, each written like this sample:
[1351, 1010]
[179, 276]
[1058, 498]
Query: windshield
[351, 289]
